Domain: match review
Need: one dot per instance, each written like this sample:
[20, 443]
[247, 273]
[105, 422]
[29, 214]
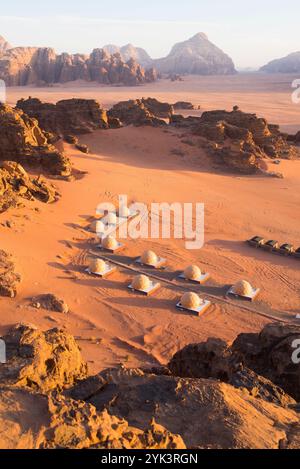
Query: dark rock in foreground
[53, 404]
[206, 413]
[265, 359]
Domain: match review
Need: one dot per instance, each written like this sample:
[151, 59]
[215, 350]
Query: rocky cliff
[42, 66]
[23, 141]
[288, 64]
[69, 116]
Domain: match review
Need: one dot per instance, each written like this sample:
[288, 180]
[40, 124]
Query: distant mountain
[131, 52]
[127, 65]
[288, 64]
[196, 56]
[4, 45]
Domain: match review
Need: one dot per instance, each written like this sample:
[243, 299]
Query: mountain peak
[4, 45]
[199, 37]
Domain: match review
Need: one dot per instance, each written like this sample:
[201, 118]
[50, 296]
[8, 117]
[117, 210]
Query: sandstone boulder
[186, 105]
[134, 112]
[50, 302]
[15, 183]
[41, 361]
[157, 108]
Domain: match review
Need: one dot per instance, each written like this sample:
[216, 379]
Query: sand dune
[112, 324]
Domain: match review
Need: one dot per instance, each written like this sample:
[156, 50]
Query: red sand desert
[113, 325]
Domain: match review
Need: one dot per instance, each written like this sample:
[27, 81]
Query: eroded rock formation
[41, 361]
[238, 139]
[16, 183]
[70, 116]
[23, 141]
[40, 365]
[266, 355]
[138, 113]
[23, 66]
[183, 405]
[53, 404]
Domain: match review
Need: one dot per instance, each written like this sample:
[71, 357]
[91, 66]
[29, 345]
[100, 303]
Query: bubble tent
[111, 244]
[100, 268]
[151, 259]
[243, 290]
[191, 302]
[194, 274]
[142, 284]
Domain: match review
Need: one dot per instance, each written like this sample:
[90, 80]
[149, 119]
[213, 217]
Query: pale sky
[252, 32]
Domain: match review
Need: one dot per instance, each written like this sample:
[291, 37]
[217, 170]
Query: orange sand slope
[114, 325]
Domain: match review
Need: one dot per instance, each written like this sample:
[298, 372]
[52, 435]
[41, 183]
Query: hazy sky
[251, 32]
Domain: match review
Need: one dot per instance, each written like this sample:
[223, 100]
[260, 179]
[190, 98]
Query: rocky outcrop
[41, 361]
[214, 359]
[182, 405]
[53, 404]
[157, 108]
[136, 112]
[70, 116]
[23, 141]
[288, 64]
[9, 278]
[4, 46]
[39, 365]
[50, 302]
[269, 354]
[78, 425]
[23, 66]
[196, 56]
[37, 421]
[183, 105]
[238, 139]
[16, 183]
